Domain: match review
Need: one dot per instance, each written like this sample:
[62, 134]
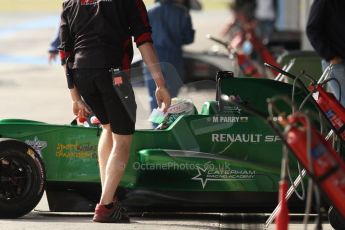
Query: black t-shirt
[97, 33]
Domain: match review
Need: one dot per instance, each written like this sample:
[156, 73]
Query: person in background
[265, 14]
[171, 29]
[242, 16]
[53, 50]
[96, 52]
[257, 15]
[326, 33]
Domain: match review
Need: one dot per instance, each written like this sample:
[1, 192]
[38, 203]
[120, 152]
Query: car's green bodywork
[223, 152]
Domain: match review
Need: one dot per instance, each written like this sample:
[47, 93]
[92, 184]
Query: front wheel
[22, 178]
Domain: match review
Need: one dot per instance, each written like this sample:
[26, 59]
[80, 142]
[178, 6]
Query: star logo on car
[202, 176]
[37, 145]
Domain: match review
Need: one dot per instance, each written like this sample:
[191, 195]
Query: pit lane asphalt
[40, 220]
[32, 89]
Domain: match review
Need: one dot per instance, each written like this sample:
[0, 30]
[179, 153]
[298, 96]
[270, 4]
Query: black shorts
[112, 104]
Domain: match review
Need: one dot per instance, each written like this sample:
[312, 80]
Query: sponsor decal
[242, 138]
[233, 109]
[222, 174]
[37, 145]
[227, 119]
[76, 151]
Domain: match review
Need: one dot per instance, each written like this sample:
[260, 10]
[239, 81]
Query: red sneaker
[116, 214]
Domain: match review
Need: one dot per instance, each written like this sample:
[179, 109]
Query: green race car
[221, 158]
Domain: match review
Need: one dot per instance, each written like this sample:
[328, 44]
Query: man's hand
[163, 97]
[80, 109]
[335, 60]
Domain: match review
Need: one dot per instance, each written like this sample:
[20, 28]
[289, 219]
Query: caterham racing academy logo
[212, 172]
[224, 173]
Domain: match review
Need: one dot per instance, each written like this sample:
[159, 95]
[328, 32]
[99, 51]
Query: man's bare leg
[105, 146]
[115, 166]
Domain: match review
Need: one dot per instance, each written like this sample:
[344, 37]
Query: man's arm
[150, 58]
[65, 37]
[141, 31]
[138, 20]
[65, 49]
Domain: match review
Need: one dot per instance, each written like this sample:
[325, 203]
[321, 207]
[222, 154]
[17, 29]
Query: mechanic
[326, 33]
[96, 51]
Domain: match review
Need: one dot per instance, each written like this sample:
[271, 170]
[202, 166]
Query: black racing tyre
[22, 178]
[335, 219]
